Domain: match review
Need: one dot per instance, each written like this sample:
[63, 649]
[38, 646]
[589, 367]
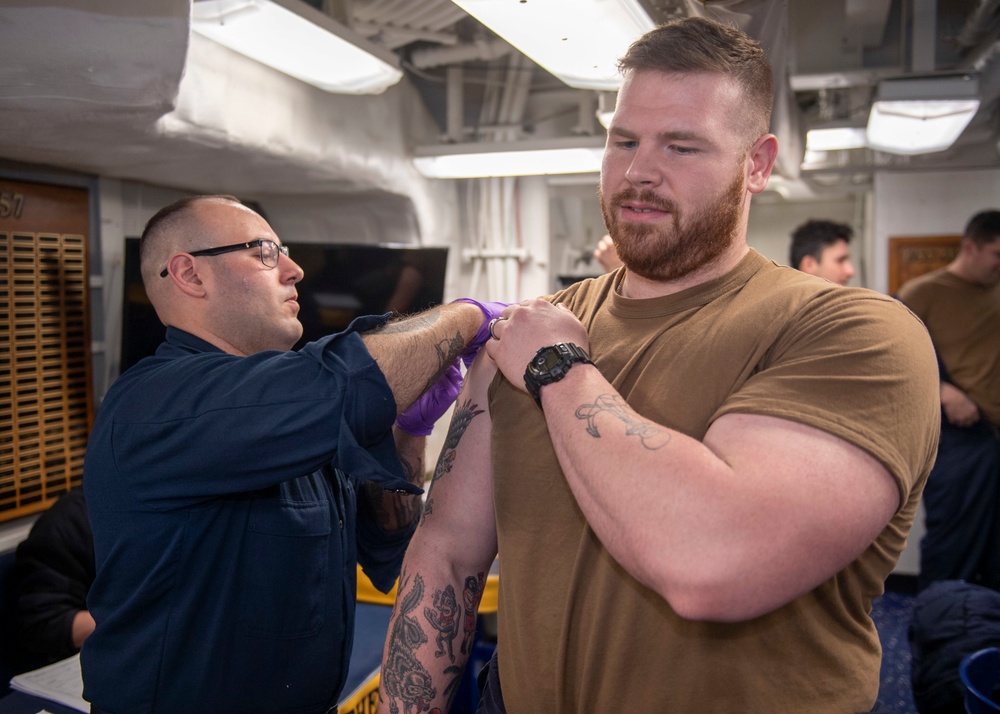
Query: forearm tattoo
[413, 465]
[404, 679]
[472, 593]
[652, 436]
[406, 683]
[447, 350]
[443, 617]
[393, 511]
[460, 420]
[398, 510]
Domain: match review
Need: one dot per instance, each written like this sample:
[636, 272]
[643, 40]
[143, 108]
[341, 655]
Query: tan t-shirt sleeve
[861, 369]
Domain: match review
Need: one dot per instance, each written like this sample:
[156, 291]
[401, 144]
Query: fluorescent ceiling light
[523, 158]
[921, 116]
[579, 41]
[836, 138]
[295, 38]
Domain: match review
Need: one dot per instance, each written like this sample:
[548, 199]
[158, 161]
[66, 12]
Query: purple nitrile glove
[419, 417]
[490, 311]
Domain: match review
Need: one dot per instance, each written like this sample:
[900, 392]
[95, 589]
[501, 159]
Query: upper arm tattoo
[653, 437]
[460, 420]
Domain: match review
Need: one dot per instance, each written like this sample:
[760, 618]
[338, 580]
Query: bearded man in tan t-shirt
[697, 470]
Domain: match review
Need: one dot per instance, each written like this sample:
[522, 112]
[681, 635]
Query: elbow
[700, 606]
[702, 597]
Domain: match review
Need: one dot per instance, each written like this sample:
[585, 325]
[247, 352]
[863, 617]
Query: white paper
[61, 682]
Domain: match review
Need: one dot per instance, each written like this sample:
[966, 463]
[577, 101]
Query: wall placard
[910, 256]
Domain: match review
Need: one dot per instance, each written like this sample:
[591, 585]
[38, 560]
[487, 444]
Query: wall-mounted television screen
[342, 281]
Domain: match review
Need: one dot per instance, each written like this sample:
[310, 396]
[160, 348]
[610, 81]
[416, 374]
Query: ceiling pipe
[922, 61]
[586, 114]
[980, 37]
[468, 52]
[515, 94]
[393, 37]
[868, 18]
[454, 104]
[980, 22]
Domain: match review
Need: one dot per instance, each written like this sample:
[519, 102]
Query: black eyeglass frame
[259, 243]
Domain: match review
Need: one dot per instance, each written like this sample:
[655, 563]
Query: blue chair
[980, 673]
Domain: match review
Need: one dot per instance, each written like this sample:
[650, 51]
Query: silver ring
[493, 322]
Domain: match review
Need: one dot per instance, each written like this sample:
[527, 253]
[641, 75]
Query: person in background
[960, 305]
[698, 471]
[233, 485]
[606, 255]
[55, 568]
[821, 248]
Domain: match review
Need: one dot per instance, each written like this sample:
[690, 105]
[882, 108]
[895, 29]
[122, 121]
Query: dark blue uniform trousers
[962, 505]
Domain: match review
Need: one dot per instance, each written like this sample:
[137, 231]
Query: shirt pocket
[287, 565]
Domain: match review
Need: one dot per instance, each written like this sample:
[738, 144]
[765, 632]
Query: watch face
[546, 360]
[550, 364]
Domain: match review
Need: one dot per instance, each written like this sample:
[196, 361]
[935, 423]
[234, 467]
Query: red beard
[663, 254]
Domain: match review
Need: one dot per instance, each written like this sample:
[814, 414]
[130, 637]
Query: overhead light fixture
[921, 115]
[836, 138]
[523, 158]
[579, 41]
[299, 40]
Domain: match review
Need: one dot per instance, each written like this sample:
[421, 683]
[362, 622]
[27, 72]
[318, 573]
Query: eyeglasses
[269, 251]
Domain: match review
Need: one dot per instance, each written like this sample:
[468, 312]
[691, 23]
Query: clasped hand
[526, 328]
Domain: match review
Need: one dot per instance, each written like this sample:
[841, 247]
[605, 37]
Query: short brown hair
[697, 44]
[983, 228]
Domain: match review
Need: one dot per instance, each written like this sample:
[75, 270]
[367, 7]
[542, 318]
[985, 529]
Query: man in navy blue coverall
[233, 485]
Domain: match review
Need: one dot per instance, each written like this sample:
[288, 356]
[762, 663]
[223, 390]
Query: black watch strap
[551, 364]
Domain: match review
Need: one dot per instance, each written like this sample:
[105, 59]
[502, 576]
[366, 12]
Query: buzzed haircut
[697, 44]
[167, 213]
[168, 218]
[984, 227]
[812, 237]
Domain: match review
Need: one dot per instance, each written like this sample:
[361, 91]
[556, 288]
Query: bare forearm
[594, 431]
[430, 637]
[726, 528]
[413, 352]
[958, 407]
[83, 626]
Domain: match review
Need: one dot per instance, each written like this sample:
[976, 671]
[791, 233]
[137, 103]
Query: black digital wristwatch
[550, 364]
